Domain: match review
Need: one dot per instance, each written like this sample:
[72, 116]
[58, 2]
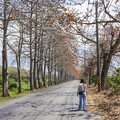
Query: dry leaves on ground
[106, 103]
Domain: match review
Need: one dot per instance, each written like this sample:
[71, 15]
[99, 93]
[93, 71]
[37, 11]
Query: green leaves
[115, 80]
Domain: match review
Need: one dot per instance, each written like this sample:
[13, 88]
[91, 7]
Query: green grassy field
[14, 92]
[25, 90]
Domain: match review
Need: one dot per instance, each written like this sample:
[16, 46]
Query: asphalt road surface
[55, 103]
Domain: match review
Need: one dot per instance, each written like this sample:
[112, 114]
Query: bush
[10, 80]
[16, 79]
[12, 85]
[0, 88]
[115, 80]
[47, 82]
[26, 81]
[93, 78]
[0, 80]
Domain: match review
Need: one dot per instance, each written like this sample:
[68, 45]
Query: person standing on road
[81, 92]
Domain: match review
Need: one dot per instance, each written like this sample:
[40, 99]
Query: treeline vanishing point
[49, 37]
[33, 35]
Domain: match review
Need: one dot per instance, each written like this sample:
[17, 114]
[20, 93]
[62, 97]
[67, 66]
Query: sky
[77, 4]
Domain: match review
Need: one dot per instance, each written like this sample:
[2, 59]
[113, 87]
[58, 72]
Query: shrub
[12, 85]
[115, 80]
[10, 80]
[0, 80]
[26, 81]
[93, 78]
[0, 88]
[47, 82]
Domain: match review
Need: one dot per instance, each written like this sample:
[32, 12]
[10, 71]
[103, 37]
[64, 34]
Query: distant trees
[32, 32]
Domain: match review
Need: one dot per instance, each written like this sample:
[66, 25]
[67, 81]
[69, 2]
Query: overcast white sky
[77, 5]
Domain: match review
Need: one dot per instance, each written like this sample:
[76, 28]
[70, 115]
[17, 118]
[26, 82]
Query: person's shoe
[78, 109]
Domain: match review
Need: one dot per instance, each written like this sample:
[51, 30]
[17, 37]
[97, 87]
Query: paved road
[55, 103]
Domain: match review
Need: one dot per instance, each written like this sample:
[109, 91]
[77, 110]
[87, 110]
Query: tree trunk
[31, 60]
[106, 64]
[39, 77]
[51, 68]
[90, 70]
[107, 60]
[49, 75]
[41, 61]
[58, 76]
[19, 77]
[34, 71]
[55, 76]
[61, 76]
[18, 58]
[44, 77]
[49, 72]
[35, 52]
[38, 67]
[4, 54]
[65, 77]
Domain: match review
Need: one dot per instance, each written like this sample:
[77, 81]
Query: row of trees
[40, 33]
[83, 24]
[109, 36]
[32, 32]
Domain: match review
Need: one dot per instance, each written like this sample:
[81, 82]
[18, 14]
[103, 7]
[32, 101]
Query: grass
[15, 94]
[25, 90]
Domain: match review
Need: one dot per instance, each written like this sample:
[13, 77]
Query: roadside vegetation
[32, 34]
[112, 81]
[58, 43]
[107, 102]
[13, 84]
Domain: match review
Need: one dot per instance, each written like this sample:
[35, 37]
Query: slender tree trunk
[58, 76]
[34, 71]
[18, 58]
[19, 76]
[41, 62]
[4, 54]
[34, 74]
[39, 77]
[90, 76]
[49, 77]
[38, 70]
[51, 68]
[55, 76]
[48, 64]
[31, 59]
[44, 77]
[65, 77]
[61, 76]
